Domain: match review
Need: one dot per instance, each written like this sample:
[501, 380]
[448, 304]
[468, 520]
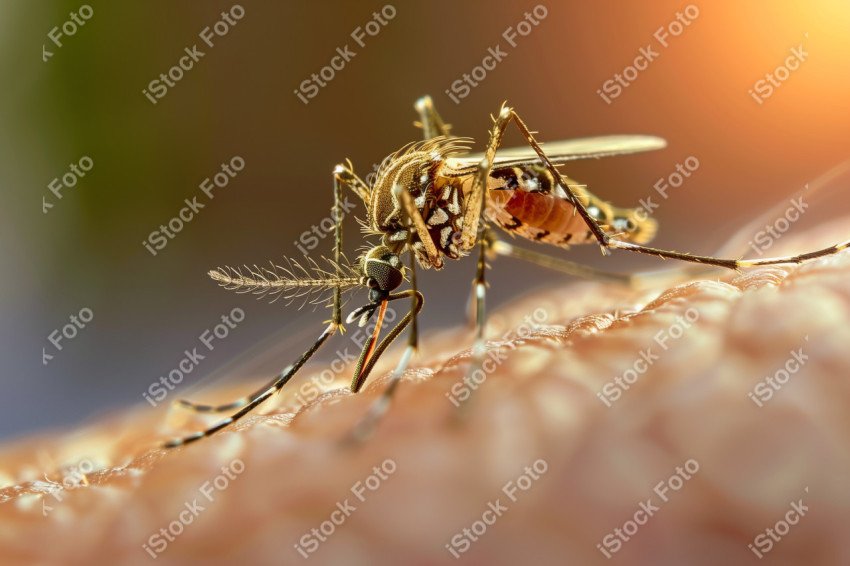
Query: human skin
[538, 404]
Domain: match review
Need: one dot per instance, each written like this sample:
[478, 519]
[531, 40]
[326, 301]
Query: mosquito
[433, 200]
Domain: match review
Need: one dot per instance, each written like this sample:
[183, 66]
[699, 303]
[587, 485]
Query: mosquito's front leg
[475, 201]
[343, 176]
[429, 120]
[276, 386]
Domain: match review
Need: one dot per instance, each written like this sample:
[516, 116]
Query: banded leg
[734, 264]
[279, 382]
[476, 200]
[637, 281]
[605, 240]
[201, 408]
[429, 120]
[343, 176]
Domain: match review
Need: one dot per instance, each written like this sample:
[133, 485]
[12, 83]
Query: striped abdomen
[525, 201]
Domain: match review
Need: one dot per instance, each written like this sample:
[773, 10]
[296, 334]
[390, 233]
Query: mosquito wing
[565, 150]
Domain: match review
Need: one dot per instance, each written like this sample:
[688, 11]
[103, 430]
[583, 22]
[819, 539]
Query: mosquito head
[383, 271]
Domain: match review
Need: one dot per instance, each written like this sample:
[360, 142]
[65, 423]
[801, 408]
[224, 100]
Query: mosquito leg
[200, 408]
[344, 173]
[479, 289]
[419, 225]
[475, 202]
[734, 264]
[281, 380]
[642, 280]
[343, 176]
[506, 115]
[336, 214]
[366, 426]
[429, 120]
[502, 248]
[607, 242]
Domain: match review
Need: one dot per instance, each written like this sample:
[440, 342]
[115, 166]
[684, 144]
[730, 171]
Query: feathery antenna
[290, 281]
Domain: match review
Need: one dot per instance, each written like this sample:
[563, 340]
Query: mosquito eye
[385, 276]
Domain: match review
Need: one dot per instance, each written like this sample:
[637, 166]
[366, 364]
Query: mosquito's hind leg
[734, 264]
[638, 281]
[607, 242]
[429, 120]
[500, 247]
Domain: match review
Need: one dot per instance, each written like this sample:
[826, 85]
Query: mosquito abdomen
[525, 201]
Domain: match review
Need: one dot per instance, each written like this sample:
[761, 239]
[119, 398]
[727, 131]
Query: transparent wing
[566, 150]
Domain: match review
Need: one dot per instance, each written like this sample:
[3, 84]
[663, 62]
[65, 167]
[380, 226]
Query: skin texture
[539, 403]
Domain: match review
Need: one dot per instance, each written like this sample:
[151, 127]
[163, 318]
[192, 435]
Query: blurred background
[85, 99]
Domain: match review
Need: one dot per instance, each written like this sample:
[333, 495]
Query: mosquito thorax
[383, 271]
[420, 169]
